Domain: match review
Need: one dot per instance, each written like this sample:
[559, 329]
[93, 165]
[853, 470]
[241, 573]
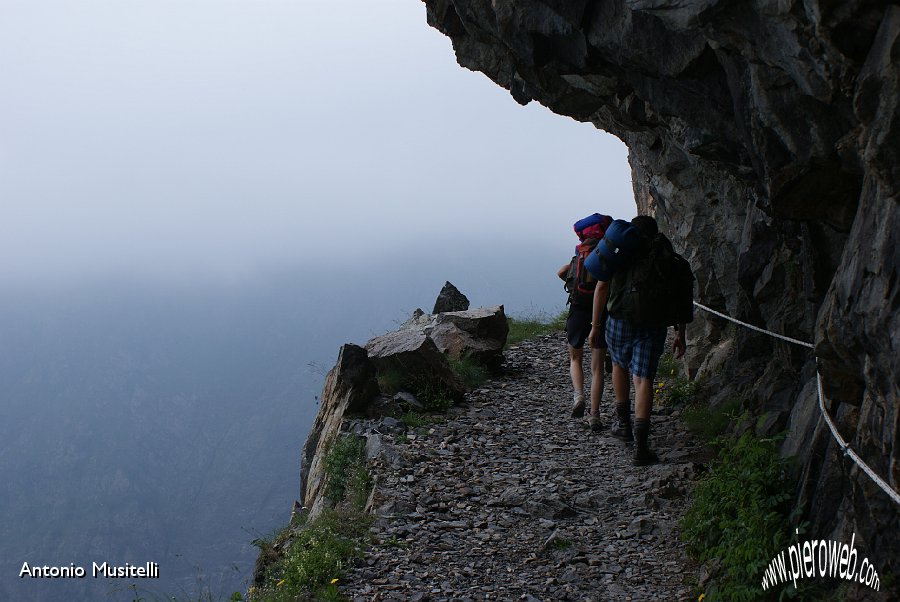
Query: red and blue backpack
[579, 282]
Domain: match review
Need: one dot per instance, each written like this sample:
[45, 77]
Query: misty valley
[154, 422]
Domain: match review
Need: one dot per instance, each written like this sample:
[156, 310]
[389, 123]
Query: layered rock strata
[350, 387]
[764, 137]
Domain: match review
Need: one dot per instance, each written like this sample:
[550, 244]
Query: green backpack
[656, 289]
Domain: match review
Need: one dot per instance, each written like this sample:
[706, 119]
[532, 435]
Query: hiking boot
[622, 427]
[595, 423]
[622, 431]
[578, 407]
[645, 457]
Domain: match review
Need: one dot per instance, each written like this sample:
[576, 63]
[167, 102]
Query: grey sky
[224, 136]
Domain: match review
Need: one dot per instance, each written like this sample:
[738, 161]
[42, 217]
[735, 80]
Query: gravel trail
[510, 498]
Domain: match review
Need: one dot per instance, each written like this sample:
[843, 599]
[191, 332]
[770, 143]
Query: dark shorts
[635, 349]
[578, 327]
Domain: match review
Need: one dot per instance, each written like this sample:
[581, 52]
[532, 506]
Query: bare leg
[643, 397]
[620, 383]
[597, 377]
[575, 369]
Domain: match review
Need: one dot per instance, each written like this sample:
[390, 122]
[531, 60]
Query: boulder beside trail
[414, 358]
[411, 357]
[478, 333]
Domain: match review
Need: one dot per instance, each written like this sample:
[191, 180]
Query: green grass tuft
[390, 381]
[470, 371]
[433, 395]
[702, 420]
[413, 420]
[740, 514]
[708, 423]
[344, 467]
[668, 366]
[533, 326]
[679, 392]
[316, 551]
[393, 542]
[315, 558]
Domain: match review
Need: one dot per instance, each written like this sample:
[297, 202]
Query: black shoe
[596, 423]
[645, 457]
[622, 431]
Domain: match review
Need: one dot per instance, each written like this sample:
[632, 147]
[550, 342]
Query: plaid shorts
[635, 349]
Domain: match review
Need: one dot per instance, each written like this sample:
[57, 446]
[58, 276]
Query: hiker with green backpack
[580, 285]
[645, 287]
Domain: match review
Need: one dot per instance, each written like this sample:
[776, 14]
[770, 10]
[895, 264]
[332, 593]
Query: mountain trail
[510, 498]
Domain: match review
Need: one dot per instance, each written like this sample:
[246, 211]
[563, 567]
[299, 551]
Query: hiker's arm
[601, 290]
[561, 272]
[679, 345]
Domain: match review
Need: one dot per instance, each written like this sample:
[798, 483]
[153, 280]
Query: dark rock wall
[764, 137]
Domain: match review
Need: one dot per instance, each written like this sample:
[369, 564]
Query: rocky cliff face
[764, 136]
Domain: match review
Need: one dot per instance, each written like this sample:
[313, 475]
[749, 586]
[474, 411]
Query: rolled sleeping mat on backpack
[592, 226]
[615, 249]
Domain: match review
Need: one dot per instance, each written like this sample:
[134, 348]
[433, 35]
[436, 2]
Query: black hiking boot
[643, 455]
[595, 422]
[621, 431]
[621, 428]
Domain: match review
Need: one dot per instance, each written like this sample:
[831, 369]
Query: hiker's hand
[591, 337]
[678, 346]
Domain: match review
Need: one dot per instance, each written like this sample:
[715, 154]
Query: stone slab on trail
[510, 498]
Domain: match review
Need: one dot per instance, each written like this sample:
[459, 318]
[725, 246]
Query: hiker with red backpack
[580, 285]
[645, 287]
